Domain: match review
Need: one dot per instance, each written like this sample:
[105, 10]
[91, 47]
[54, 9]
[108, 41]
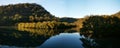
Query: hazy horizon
[73, 8]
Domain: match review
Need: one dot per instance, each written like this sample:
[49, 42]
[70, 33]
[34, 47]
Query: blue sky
[73, 8]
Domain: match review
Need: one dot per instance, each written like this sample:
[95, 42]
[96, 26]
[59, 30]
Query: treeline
[24, 12]
[101, 26]
[46, 25]
[79, 22]
[68, 19]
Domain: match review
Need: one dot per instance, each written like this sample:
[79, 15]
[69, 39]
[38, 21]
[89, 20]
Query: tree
[31, 18]
[101, 25]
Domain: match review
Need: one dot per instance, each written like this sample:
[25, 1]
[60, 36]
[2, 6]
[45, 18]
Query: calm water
[63, 40]
[43, 38]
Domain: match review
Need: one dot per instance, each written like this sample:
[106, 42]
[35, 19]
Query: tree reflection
[88, 42]
[44, 32]
[93, 41]
[25, 37]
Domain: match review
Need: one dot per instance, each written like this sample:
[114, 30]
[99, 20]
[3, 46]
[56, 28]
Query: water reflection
[44, 32]
[98, 41]
[20, 38]
[63, 40]
[89, 42]
[46, 38]
[28, 37]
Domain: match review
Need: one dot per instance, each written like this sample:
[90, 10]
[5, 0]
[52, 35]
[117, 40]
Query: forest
[31, 15]
[101, 25]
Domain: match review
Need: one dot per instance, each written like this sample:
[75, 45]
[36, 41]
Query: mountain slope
[117, 14]
[24, 12]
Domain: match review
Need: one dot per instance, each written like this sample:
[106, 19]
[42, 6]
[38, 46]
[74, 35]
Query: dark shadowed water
[44, 38]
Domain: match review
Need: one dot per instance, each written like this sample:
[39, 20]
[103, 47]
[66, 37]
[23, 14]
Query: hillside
[68, 19]
[117, 14]
[24, 12]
